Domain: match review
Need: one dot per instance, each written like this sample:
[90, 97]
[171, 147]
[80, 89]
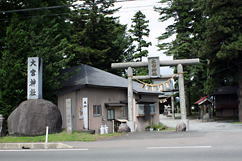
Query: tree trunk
[188, 102]
[240, 93]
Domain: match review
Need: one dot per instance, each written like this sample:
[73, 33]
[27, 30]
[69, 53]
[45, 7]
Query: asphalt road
[190, 146]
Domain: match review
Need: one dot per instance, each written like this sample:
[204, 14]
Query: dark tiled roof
[86, 75]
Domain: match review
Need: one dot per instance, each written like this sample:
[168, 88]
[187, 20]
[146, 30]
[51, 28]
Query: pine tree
[98, 38]
[139, 30]
[187, 28]
[209, 30]
[224, 33]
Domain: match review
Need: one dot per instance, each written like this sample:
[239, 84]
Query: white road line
[181, 147]
[42, 150]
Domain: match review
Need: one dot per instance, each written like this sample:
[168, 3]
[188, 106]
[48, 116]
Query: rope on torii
[160, 85]
[167, 82]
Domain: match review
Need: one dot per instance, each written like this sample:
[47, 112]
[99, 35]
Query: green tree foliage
[186, 29]
[86, 33]
[98, 39]
[40, 33]
[209, 30]
[139, 30]
[222, 40]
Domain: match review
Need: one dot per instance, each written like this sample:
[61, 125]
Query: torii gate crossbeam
[162, 63]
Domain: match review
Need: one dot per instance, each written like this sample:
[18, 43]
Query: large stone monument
[31, 117]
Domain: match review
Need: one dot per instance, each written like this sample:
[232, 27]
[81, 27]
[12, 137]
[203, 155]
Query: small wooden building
[206, 110]
[226, 102]
[99, 98]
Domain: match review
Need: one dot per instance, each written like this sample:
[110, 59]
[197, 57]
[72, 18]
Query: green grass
[169, 129]
[59, 137]
[237, 122]
[160, 127]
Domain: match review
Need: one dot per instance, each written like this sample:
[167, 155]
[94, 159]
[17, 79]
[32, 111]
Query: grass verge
[237, 122]
[159, 127]
[59, 137]
[169, 129]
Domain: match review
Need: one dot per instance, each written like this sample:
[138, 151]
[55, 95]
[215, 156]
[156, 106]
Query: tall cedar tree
[187, 29]
[139, 30]
[98, 39]
[26, 34]
[223, 40]
[210, 30]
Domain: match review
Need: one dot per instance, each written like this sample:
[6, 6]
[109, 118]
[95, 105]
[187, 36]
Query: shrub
[157, 127]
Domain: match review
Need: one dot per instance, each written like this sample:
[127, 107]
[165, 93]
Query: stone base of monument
[31, 117]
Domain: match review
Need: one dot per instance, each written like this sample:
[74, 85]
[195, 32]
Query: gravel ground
[198, 125]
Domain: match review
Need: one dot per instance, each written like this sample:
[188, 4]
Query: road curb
[10, 146]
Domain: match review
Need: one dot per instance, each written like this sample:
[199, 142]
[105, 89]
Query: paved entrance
[198, 125]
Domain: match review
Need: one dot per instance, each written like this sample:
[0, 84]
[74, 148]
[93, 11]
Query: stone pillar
[1, 125]
[182, 92]
[68, 116]
[130, 99]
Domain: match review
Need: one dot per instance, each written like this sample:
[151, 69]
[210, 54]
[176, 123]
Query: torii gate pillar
[182, 92]
[130, 122]
[182, 96]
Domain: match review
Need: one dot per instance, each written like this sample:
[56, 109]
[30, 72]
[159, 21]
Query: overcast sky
[128, 10]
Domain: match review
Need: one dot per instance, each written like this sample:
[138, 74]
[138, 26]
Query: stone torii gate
[154, 72]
